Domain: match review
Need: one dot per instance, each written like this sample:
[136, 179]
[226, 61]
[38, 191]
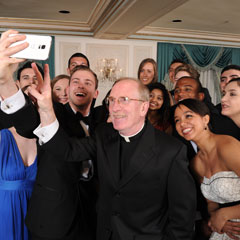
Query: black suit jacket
[55, 208]
[155, 199]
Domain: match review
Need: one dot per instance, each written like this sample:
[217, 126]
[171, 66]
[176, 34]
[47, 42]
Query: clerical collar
[131, 137]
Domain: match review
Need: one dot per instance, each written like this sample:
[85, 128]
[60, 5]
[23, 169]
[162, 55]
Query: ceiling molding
[189, 34]
[98, 12]
[109, 16]
[127, 19]
[43, 25]
[123, 21]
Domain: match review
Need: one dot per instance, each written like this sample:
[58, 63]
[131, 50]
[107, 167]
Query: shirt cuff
[46, 133]
[13, 103]
[87, 170]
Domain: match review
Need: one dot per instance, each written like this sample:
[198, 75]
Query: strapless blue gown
[16, 184]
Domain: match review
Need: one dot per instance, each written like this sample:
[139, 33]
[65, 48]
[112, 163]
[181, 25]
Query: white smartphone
[38, 49]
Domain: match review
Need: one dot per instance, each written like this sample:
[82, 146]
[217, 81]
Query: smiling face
[187, 88]
[127, 118]
[147, 73]
[156, 99]
[76, 61]
[27, 78]
[228, 75]
[60, 91]
[82, 90]
[189, 124]
[231, 101]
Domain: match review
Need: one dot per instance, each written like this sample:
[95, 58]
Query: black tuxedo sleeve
[181, 198]
[71, 149]
[24, 120]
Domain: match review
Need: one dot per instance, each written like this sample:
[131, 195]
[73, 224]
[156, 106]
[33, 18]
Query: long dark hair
[164, 112]
[194, 105]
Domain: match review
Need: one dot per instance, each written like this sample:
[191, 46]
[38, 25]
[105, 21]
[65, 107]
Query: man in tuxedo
[77, 117]
[145, 188]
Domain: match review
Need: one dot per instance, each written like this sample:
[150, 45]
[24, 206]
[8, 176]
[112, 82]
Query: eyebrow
[82, 63]
[86, 79]
[89, 80]
[233, 75]
[184, 86]
[27, 75]
[188, 111]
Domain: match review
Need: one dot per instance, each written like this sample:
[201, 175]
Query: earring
[205, 128]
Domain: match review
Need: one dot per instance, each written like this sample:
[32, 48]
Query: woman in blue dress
[18, 167]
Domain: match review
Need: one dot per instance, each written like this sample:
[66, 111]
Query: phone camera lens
[43, 47]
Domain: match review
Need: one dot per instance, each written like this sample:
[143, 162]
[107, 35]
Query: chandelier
[109, 70]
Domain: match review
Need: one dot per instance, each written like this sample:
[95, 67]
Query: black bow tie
[80, 117]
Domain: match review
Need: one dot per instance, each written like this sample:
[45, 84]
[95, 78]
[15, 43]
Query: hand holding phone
[38, 49]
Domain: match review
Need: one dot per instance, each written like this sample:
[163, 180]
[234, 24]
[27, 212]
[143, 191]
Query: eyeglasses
[121, 100]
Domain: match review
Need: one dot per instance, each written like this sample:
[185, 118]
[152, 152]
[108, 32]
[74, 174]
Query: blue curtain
[200, 55]
[236, 56]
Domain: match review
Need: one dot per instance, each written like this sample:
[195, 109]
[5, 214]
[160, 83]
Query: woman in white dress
[216, 165]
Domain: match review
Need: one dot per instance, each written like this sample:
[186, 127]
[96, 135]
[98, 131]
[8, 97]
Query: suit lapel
[142, 155]
[112, 149]
[73, 124]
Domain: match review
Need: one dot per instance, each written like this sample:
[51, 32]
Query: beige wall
[128, 52]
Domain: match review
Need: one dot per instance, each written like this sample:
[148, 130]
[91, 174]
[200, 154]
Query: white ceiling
[121, 19]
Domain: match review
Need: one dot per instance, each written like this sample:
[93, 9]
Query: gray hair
[142, 89]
